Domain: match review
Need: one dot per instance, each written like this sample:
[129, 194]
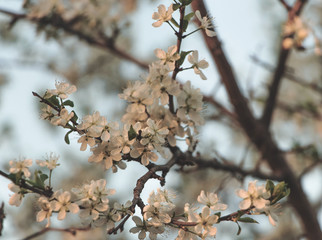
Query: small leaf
[175, 6]
[189, 16]
[247, 220]
[218, 214]
[54, 100]
[75, 117]
[40, 179]
[69, 103]
[174, 22]
[183, 55]
[131, 133]
[67, 137]
[270, 186]
[185, 25]
[186, 2]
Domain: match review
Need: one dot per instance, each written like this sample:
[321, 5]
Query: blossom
[47, 113]
[196, 64]
[206, 24]
[63, 118]
[162, 15]
[146, 155]
[154, 133]
[20, 166]
[205, 222]
[45, 212]
[86, 140]
[50, 162]
[63, 204]
[18, 195]
[143, 227]
[93, 124]
[62, 90]
[99, 192]
[169, 57]
[211, 201]
[272, 211]
[190, 103]
[255, 196]
[92, 209]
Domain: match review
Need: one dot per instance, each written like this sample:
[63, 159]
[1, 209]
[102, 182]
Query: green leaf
[185, 24]
[186, 2]
[40, 179]
[174, 22]
[67, 137]
[280, 191]
[218, 214]
[69, 103]
[247, 220]
[175, 6]
[270, 186]
[189, 16]
[131, 133]
[54, 100]
[183, 55]
[75, 117]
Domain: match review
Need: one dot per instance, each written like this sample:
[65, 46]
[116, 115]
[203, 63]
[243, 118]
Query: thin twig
[72, 230]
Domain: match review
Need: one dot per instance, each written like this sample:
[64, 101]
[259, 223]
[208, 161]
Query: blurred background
[34, 56]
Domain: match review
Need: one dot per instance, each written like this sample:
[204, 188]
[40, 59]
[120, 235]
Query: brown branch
[137, 201]
[236, 171]
[280, 69]
[2, 217]
[288, 75]
[259, 134]
[101, 41]
[22, 184]
[72, 230]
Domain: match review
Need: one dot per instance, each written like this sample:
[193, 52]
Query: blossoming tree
[159, 130]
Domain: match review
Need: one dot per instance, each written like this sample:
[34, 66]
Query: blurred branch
[101, 42]
[72, 230]
[234, 170]
[2, 217]
[280, 69]
[288, 75]
[257, 131]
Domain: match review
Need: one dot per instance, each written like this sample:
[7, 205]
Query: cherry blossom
[162, 15]
[20, 166]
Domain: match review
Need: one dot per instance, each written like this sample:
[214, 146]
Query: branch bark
[259, 134]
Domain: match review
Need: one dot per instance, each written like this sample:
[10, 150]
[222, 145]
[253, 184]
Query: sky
[243, 28]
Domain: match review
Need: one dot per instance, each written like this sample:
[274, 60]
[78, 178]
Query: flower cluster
[85, 15]
[159, 111]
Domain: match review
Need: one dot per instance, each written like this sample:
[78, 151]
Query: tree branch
[259, 135]
[101, 42]
[72, 230]
[279, 72]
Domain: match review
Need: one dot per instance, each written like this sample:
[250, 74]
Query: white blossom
[63, 204]
[17, 197]
[62, 90]
[255, 196]
[193, 58]
[168, 58]
[63, 118]
[50, 162]
[162, 15]
[20, 166]
[206, 24]
[211, 200]
[46, 210]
